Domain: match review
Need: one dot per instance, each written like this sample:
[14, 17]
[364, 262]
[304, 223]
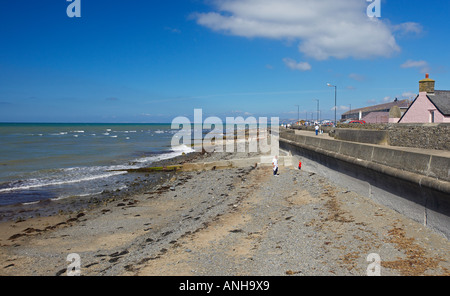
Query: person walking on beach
[275, 165]
[317, 129]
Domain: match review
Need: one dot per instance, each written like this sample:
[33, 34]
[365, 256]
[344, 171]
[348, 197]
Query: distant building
[377, 113]
[430, 106]
[376, 117]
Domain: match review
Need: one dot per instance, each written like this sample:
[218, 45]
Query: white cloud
[341, 108]
[408, 28]
[324, 29]
[240, 113]
[173, 30]
[408, 95]
[423, 66]
[412, 64]
[357, 77]
[301, 66]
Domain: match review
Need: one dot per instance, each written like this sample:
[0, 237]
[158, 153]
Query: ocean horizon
[40, 161]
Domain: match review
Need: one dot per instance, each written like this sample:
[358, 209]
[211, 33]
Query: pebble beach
[224, 222]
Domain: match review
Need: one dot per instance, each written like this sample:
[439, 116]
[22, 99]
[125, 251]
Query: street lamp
[317, 109]
[335, 105]
[298, 114]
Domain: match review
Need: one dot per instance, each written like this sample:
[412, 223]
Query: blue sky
[151, 61]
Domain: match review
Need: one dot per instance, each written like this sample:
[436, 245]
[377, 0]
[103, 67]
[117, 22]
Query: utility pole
[335, 102]
[317, 110]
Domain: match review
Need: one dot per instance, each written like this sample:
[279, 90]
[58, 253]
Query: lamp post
[298, 114]
[317, 109]
[335, 105]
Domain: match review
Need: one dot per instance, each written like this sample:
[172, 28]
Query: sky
[150, 61]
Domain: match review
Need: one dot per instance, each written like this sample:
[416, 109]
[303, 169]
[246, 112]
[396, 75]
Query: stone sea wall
[425, 136]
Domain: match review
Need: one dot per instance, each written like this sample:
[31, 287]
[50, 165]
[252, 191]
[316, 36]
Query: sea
[55, 161]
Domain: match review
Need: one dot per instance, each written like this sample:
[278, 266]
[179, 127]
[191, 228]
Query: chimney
[427, 85]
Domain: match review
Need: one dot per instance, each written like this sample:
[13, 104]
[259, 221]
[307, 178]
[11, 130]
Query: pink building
[430, 106]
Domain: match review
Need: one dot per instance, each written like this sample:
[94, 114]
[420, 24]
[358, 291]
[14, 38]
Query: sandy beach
[225, 222]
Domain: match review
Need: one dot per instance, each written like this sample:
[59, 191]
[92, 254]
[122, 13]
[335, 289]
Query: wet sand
[226, 222]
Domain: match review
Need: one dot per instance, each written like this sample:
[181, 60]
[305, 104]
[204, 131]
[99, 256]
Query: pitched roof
[386, 106]
[441, 99]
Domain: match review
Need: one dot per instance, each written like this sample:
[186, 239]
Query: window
[432, 116]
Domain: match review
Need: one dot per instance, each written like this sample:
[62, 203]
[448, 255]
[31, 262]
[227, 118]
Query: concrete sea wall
[380, 137]
[413, 183]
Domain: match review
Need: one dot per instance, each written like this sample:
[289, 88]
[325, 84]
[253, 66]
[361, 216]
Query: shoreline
[73, 204]
[238, 221]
